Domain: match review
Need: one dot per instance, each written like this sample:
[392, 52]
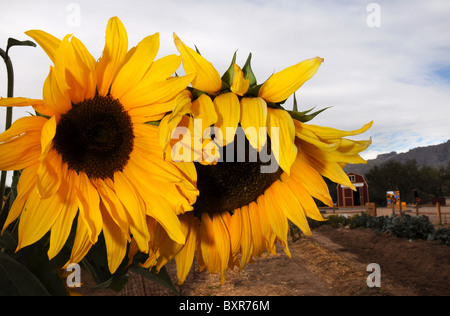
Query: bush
[337, 221]
[377, 224]
[406, 226]
[411, 227]
[442, 235]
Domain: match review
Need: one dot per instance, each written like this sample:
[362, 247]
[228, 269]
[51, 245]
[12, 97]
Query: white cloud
[387, 74]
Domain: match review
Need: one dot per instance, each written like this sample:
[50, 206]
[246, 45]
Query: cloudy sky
[386, 61]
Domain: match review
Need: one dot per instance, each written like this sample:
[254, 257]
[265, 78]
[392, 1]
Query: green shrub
[412, 227]
[406, 226]
[337, 221]
[442, 235]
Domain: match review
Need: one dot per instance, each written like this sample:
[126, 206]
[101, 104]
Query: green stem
[9, 112]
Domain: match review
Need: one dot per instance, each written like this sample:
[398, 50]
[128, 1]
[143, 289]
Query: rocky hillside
[435, 156]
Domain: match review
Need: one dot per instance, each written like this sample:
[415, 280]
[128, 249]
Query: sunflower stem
[9, 112]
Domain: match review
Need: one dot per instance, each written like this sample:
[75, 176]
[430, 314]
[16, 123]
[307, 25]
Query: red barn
[347, 197]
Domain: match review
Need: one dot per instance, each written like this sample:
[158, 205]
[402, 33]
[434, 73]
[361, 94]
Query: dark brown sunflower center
[95, 137]
[229, 185]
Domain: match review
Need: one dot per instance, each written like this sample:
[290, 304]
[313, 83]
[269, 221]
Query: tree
[406, 177]
[393, 176]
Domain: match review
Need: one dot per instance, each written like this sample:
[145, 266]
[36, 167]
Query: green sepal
[196, 93]
[295, 104]
[275, 106]
[304, 116]
[40, 114]
[254, 91]
[154, 123]
[248, 72]
[228, 76]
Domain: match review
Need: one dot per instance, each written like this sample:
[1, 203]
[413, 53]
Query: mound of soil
[332, 262]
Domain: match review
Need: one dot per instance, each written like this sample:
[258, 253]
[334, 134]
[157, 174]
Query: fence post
[417, 209]
[438, 211]
[371, 209]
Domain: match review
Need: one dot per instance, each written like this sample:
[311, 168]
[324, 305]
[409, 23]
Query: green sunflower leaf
[16, 279]
[161, 277]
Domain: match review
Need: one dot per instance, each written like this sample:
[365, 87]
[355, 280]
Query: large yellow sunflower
[243, 209]
[89, 154]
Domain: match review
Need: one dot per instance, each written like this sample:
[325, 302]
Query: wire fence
[438, 214]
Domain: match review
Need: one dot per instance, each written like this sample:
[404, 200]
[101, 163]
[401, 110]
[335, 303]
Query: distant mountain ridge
[434, 156]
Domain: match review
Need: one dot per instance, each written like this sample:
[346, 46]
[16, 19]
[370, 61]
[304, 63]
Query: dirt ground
[332, 262]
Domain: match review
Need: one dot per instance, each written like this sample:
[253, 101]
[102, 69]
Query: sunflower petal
[207, 79]
[47, 135]
[266, 228]
[76, 65]
[282, 135]
[235, 230]
[207, 244]
[299, 192]
[19, 101]
[133, 204]
[38, 217]
[240, 84]
[331, 170]
[134, 69]
[56, 92]
[246, 239]
[162, 68]
[328, 133]
[89, 206]
[254, 121]
[82, 243]
[155, 92]
[115, 241]
[276, 217]
[228, 115]
[49, 174]
[291, 207]
[185, 257]
[150, 113]
[112, 204]
[203, 109]
[284, 83]
[37, 104]
[303, 172]
[48, 42]
[257, 235]
[20, 145]
[160, 210]
[113, 57]
[63, 224]
[222, 241]
[27, 183]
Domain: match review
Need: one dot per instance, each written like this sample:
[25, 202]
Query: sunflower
[244, 206]
[88, 157]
